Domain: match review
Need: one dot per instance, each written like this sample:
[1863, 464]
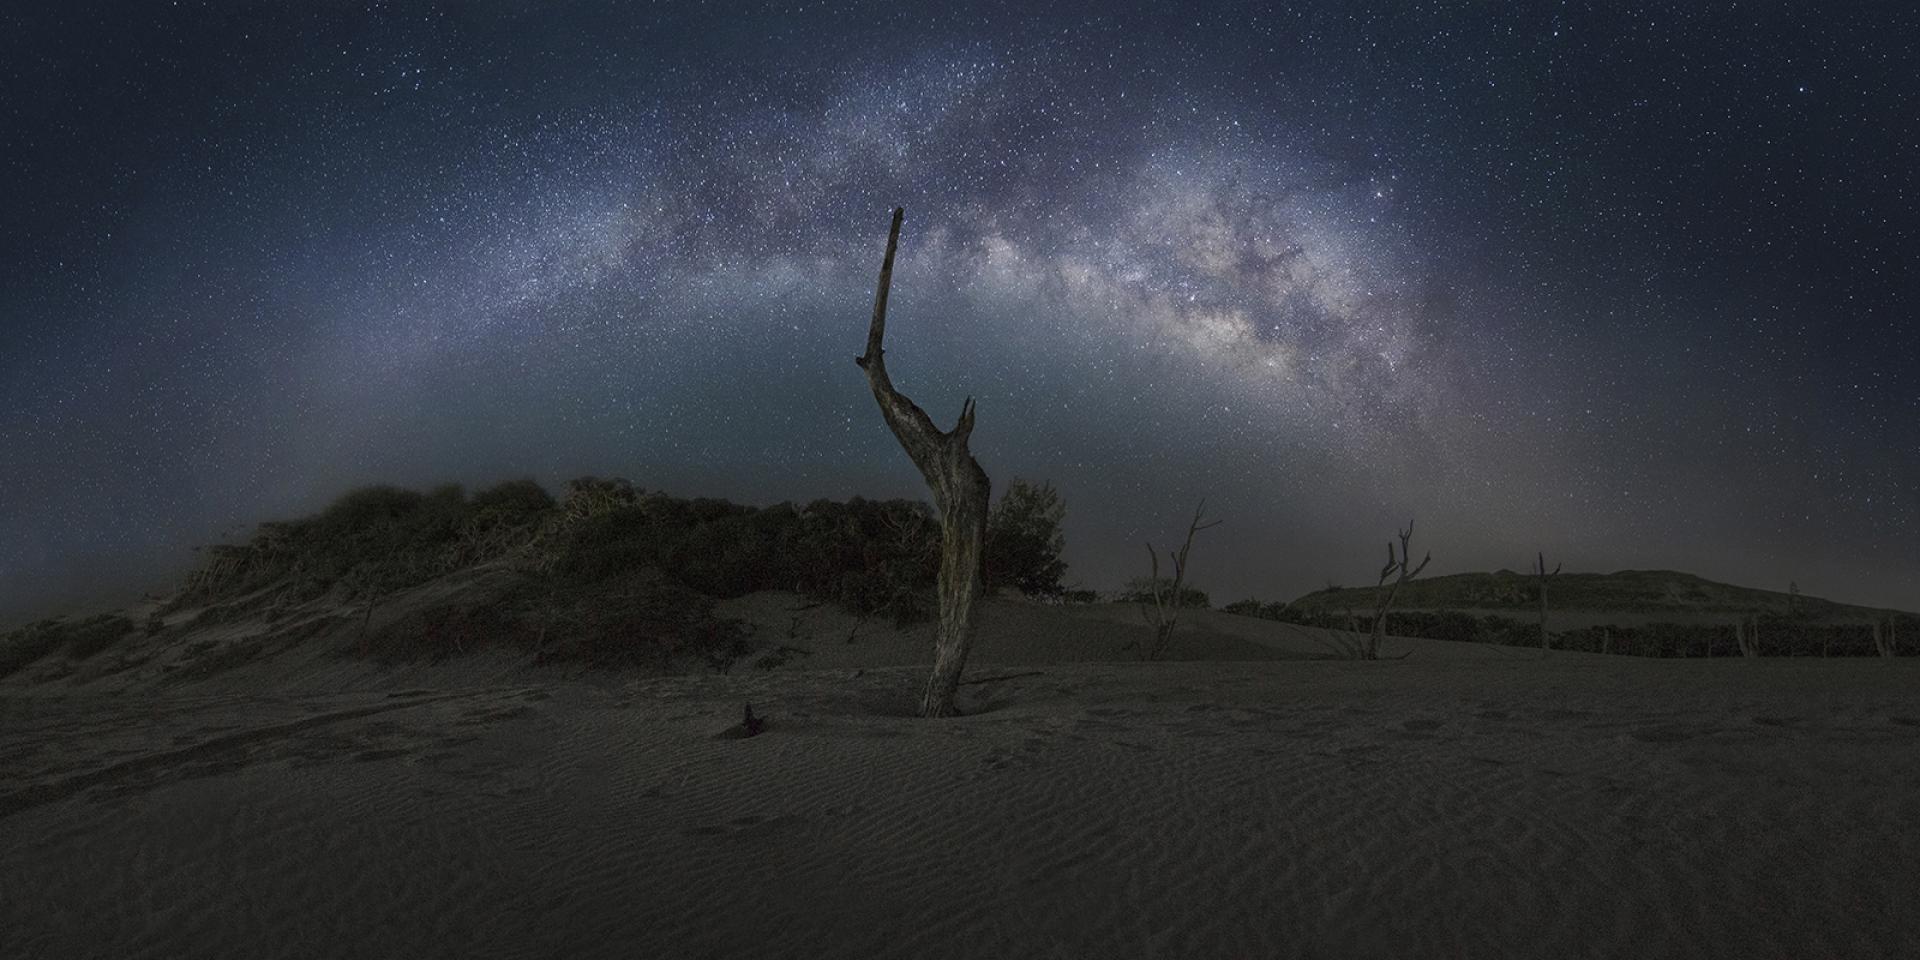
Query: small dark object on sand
[749, 726]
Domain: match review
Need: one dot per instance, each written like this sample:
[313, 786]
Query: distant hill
[1631, 595]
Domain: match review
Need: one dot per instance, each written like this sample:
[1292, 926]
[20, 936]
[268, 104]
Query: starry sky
[1632, 284]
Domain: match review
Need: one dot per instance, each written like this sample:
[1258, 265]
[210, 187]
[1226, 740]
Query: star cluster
[1626, 284]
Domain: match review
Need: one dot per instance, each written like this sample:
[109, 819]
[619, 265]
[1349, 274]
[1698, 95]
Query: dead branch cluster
[1169, 596]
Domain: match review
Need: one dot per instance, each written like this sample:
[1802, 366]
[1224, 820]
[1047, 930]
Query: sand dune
[1466, 801]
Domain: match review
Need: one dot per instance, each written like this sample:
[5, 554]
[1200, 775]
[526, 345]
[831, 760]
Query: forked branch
[960, 490]
[1396, 567]
[1167, 601]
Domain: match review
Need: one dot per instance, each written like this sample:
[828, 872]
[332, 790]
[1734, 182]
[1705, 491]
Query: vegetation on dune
[1251, 607]
[1775, 634]
[1144, 589]
[1710, 619]
[375, 539]
[613, 575]
[1024, 541]
[609, 574]
[1642, 591]
[79, 638]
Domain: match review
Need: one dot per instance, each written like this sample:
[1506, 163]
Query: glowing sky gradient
[1632, 285]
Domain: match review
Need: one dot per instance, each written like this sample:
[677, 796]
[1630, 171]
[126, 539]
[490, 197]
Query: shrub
[22, 647]
[1024, 540]
[869, 557]
[515, 501]
[94, 634]
[641, 619]
[587, 496]
[1277, 610]
[1141, 590]
[82, 639]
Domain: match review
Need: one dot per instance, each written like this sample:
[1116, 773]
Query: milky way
[1628, 286]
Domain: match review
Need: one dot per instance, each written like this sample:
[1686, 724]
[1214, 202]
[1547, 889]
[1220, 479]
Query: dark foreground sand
[1434, 807]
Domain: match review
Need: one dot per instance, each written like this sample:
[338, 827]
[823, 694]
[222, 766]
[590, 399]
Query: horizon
[1630, 290]
[1108, 591]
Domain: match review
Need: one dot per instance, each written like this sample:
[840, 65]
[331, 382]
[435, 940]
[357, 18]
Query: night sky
[1630, 284]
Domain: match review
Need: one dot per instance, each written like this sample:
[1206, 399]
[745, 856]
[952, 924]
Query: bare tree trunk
[1540, 571]
[1545, 643]
[1166, 613]
[1747, 634]
[960, 492]
[1372, 649]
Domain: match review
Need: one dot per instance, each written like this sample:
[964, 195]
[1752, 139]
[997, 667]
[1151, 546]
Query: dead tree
[1395, 564]
[1165, 612]
[960, 490]
[1540, 571]
[1746, 633]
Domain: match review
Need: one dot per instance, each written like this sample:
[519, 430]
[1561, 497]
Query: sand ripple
[1281, 809]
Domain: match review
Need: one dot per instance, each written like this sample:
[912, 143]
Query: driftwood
[960, 492]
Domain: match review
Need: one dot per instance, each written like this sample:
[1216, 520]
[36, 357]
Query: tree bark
[960, 493]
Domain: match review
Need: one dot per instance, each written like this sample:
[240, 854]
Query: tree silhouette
[1540, 571]
[1395, 564]
[1169, 597]
[960, 492]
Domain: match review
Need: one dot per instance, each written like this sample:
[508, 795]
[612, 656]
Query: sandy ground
[1464, 802]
